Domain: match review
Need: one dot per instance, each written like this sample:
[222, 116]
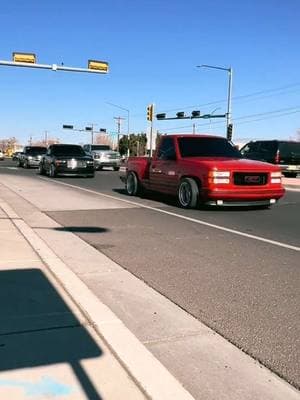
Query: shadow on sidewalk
[37, 328]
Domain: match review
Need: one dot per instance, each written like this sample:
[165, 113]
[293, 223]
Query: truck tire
[132, 184]
[188, 193]
[41, 169]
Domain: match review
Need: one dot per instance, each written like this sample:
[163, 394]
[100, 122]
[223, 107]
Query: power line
[246, 96]
[266, 115]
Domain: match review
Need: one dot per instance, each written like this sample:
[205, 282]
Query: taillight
[277, 157]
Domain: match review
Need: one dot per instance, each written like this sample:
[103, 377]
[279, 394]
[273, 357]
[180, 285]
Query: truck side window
[167, 150]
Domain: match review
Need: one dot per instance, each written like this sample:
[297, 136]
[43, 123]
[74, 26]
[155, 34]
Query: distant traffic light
[67, 126]
[229, 131]
[195, 114]
[88, 128]
[150, 112]
[180, 114]
[161, 116]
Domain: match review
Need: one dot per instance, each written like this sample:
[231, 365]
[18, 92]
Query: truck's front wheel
[188, 193]
[132, 184]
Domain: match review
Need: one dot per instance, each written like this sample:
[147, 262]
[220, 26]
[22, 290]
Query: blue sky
[153, 48]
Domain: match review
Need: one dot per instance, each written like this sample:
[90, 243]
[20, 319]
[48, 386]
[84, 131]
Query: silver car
[31, 156]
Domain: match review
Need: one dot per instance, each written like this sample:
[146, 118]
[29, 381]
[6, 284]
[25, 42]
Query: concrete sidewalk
[50, 347]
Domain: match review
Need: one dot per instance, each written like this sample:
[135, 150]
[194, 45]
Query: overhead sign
[24, 57]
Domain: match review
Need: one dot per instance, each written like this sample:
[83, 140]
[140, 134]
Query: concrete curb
[148, 373]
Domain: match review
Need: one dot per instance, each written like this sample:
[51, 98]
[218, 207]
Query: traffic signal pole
[150, 114]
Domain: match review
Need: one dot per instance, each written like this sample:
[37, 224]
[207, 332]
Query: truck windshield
[36, 150]
[207, 147]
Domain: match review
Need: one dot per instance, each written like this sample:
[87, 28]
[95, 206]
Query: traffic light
[180, 114]
[67, 126]
[150, 112]
[196, 114]
[161, 116]
[229, 131]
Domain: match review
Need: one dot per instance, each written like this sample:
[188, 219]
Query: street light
[125, 109]
[230, 72]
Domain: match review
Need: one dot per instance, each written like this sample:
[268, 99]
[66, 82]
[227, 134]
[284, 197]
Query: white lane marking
[14, 168]
[197, 221]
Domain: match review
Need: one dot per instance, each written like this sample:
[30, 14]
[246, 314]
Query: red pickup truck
[203, 169]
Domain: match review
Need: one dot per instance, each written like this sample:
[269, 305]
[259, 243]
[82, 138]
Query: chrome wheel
[188, 193]
[52, 172]
[132, 185]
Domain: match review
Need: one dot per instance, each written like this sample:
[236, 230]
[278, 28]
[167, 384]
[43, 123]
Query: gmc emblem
[252, 179]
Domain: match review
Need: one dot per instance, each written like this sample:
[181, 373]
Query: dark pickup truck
[203, 169]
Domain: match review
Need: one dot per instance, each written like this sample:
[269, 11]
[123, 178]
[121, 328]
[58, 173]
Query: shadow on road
[37, 328]
[81, 229]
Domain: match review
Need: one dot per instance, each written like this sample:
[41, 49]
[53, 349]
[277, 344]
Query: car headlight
[60, 162]
[276, 177]
[219, 177]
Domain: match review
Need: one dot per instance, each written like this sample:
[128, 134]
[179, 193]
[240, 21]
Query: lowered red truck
[203, 169]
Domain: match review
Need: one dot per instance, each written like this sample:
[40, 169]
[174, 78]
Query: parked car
[284, 153]
[103, 156]
[31, 156]
[202, 169]
[68, 160]
[1, 155]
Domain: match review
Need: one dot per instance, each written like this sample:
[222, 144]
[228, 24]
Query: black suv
[282, 152]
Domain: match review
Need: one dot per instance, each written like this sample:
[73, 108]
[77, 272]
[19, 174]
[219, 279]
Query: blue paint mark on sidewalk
[45, 387]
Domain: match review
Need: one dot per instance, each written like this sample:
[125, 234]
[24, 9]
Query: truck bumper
[242, 197]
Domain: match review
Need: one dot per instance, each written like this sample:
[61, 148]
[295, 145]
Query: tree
[9, 144]
[136, 144]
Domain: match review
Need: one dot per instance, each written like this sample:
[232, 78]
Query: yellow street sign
[98, 65]
[24, 57]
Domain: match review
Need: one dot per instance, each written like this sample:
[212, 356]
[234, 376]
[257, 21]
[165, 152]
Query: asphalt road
[238, 271]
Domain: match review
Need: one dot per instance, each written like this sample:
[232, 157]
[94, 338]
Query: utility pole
[194, 129]
[46, 138]
[119, 121]
[91, 129]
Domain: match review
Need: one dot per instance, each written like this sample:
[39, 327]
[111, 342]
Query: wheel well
[196, 179]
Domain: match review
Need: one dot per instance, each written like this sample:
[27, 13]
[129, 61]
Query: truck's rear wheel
[188, 193]
[132, 184]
